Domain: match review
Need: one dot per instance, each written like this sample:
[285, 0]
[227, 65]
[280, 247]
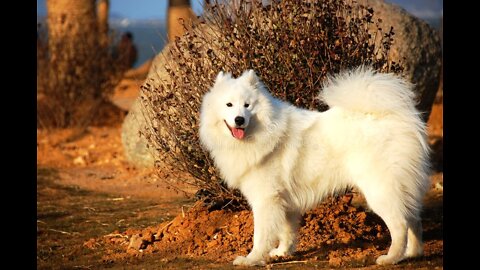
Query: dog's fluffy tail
[364, 90]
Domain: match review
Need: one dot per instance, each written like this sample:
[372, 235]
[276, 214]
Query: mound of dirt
[336, 231]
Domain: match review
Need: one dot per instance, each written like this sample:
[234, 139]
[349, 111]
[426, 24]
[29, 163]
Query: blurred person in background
[127, 51]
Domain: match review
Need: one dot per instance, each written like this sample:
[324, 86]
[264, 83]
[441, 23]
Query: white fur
[372, 137]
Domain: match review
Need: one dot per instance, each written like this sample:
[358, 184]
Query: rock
[79, 161]
[438, 186]
[136, 242]
[211, 230]
[141, 241]
[134, 145]
[416, 46]
[211, 244]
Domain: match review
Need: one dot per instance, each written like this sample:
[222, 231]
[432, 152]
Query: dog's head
[232, 103]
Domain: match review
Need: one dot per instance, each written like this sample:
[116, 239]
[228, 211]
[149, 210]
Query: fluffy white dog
[285, 160]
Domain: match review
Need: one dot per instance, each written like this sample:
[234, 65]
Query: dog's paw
[241, 260]
[413, 252]
[385, 260]
[278, 252]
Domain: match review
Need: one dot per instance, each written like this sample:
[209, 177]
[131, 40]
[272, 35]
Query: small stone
[135, 242]
[79, 161]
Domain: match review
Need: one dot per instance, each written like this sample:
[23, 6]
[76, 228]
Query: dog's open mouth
[237, 133]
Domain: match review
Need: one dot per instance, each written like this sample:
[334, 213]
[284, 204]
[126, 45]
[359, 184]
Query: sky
[146, 9]
[134, 9]
[156, 9]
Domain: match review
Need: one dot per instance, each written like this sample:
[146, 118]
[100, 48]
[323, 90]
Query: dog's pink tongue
[238, 133]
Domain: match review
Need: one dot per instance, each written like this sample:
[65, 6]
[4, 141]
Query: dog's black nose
[239, 120]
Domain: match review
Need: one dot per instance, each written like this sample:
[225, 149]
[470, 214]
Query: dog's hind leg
[288, 236]
[414, 242]
[391, 211]
[398, 233]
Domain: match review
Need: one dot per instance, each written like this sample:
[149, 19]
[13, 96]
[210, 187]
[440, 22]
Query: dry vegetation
[74, 81]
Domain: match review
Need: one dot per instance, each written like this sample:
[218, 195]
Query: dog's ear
[222, 76]
[250, 77]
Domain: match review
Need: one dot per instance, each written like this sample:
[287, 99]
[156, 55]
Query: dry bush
[73, 81]
[292, 45]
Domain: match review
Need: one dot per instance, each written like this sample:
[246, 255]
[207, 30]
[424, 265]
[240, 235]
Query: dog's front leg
[268, 218]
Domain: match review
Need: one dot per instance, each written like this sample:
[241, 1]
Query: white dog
[285, 160]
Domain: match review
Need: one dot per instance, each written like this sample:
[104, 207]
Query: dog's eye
[229, 104]
[246, 105]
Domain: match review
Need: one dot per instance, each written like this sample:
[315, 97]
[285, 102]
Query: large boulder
[135, 145]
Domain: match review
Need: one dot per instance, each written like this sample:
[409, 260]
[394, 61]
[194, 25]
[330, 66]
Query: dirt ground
[96, 211]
